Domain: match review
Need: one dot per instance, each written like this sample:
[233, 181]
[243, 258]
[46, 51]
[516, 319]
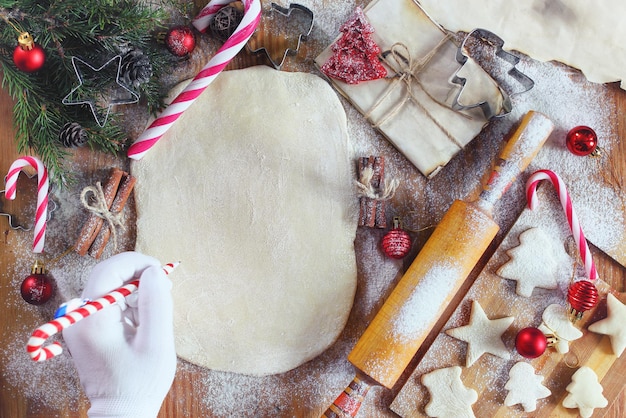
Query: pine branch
[95, 31]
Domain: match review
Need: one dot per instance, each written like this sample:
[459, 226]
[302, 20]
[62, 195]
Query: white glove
[126, 370]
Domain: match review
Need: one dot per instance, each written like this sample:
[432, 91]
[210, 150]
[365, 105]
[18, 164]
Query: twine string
[100, 209]
[366, 189]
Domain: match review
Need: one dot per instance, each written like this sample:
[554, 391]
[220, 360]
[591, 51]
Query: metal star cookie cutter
[294, 9]
[127, 95]
[503, 81]
[52, 206]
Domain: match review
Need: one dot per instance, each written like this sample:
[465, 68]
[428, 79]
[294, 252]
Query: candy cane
[232, 46]
[35, 347]
[42, 195]
[572, 219]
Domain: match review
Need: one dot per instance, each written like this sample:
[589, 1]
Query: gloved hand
[126, 369]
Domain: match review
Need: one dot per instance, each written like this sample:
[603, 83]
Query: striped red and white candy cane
[568, 208]
[35, 346]
[42, 195]
[232, 46]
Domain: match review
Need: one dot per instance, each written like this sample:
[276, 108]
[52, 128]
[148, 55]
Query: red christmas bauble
[28, 56]
[582, 140]
[180, 40]
[396, 243]
[37, 289]
[531, 342]
[582, 296]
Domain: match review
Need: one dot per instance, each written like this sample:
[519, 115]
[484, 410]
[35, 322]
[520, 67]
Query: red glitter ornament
[37, 288]
[582, 140]
[180, 40]
[396, 243]
[355, 54]
[531, 342]
[28, 56]
[582, 296]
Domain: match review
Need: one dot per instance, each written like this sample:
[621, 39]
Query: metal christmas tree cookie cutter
[490, 39]
[293, 11]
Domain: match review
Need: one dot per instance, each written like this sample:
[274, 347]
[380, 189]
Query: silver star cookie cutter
[124, 94]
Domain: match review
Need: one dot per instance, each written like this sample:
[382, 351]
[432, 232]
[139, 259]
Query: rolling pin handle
[349, 401]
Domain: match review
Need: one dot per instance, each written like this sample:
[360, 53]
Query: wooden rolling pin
[435, 276]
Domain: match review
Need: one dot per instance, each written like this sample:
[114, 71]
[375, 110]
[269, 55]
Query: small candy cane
[232, 46]
[35, 347]
[42, 195]
[572, 219]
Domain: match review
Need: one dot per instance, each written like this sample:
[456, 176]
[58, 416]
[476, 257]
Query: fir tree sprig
[94, 31]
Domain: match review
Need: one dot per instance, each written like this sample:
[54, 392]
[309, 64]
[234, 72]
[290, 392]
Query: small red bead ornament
[531, 342]
[180, 40]
[37, 288]
[397, 242]
[582, 141]
[582, 296]
[28, 56]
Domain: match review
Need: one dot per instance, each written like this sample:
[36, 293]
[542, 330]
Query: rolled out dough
[252, 189]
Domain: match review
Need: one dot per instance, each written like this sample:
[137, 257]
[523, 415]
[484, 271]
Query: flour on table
[585, 392]
[534, 262]
[483, 335]
[449, 398]
[614, 325]
[525, 387]
[556, 323]
[252, 190]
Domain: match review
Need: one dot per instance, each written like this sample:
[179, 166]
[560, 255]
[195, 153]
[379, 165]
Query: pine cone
[72, 135]
[135, 68]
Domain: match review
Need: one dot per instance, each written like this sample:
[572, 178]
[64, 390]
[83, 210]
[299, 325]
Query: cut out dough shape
[614, 325]
[556, 323]
[449, 398]
[532, 263]
[253, 191]
[585, 392]
[483, 335]
[525, 387]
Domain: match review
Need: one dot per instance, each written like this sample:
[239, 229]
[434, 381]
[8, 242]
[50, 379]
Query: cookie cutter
[293, 9]
[52, 206]
[486, 37]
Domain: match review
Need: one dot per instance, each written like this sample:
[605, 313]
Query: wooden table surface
[188, 396]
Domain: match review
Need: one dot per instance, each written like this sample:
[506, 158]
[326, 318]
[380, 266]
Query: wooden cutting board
[498, 298]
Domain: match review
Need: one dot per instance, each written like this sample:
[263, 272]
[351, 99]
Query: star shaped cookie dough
[614, 325]
[532, 263]
[483, 335]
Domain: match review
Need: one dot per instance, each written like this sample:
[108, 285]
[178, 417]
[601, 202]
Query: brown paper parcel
[417, 107]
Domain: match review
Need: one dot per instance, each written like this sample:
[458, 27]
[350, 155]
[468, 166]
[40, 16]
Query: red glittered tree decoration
[355, 54]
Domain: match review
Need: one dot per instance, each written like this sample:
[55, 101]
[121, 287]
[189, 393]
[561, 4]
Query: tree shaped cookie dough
[525, 387]
[614, 325]
[483, 335]
[585, 392]
[448, 396]
[533, 263]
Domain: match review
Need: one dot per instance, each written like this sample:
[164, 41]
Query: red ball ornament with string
[582, 141]
[180, 40]
[397, 242]
[37, 288]
[28, 56]
[531, 342]
[582, 296]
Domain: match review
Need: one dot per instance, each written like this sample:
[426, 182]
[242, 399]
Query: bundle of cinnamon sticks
[96, 232]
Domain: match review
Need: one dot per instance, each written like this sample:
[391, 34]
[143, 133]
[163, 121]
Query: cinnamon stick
[123, 193]
[372, 211]
[94, 223]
